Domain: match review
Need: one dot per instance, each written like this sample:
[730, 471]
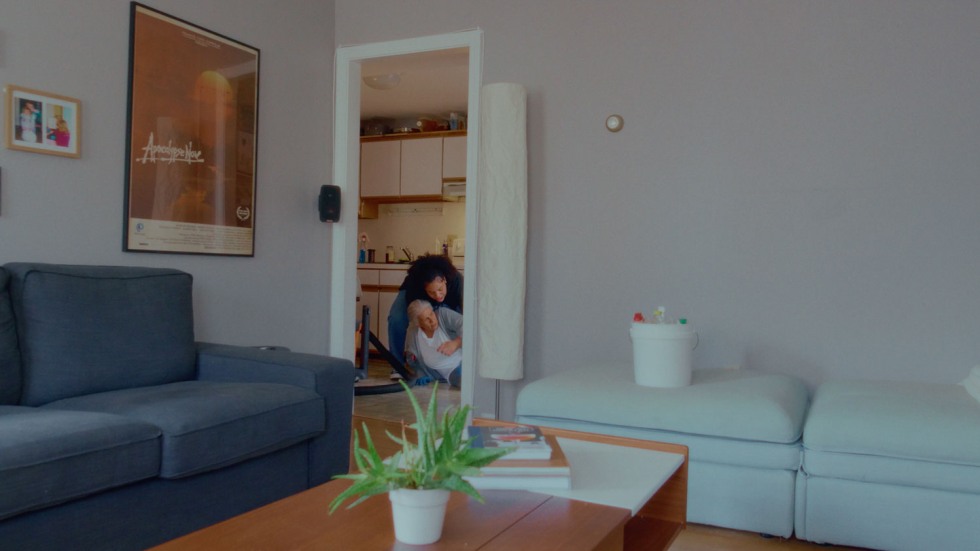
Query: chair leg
[361, 373]
[368, 338]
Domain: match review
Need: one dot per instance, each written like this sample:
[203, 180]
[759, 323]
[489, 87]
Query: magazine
[526, 441]
[526, 474]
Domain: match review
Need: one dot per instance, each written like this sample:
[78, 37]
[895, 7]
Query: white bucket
[662, 354]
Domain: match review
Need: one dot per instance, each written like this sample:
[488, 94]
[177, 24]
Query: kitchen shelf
[413, 135]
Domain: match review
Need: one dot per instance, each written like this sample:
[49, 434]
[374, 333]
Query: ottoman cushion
[916, 434]
[739, 417]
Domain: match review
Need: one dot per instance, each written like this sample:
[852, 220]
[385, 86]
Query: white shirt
[432, 358]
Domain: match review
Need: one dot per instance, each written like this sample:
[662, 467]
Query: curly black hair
[427, 268]
[430, 266]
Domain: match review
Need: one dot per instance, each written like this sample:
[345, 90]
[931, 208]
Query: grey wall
[800, 179]
[55, 209]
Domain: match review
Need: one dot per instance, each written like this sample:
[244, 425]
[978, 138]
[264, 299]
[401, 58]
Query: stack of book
[536, 462]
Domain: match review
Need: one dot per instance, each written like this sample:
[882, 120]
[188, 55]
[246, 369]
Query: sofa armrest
[332, 378]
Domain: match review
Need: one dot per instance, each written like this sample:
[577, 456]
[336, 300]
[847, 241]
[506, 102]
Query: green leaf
[439, 456]
[457, 484]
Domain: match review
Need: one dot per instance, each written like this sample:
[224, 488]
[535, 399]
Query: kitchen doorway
[350, 64]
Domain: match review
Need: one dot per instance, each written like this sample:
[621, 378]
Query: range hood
[454, 189]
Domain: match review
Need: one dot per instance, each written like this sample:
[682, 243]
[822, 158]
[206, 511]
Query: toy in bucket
[662, 350]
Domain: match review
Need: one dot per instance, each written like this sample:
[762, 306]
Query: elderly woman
[434, 343]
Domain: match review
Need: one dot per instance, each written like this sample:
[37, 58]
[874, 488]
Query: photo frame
[42, 122]
[191, 139]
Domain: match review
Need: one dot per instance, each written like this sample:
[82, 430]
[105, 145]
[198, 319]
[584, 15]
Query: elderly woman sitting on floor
[433, 347]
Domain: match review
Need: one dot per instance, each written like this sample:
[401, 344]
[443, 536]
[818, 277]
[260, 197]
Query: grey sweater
[450, 321]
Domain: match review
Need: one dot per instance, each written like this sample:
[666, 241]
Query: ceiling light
[383, 82]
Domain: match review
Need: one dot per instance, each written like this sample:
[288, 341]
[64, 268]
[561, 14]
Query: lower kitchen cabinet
[379, 287]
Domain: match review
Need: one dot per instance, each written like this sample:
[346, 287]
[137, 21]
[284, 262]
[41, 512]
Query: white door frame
[347, 108]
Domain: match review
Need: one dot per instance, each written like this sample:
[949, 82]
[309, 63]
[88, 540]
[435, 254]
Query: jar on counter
[389, 255]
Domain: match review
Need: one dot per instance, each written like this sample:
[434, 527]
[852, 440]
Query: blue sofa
[119, 431]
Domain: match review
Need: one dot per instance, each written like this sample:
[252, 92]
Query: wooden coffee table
[508, 521]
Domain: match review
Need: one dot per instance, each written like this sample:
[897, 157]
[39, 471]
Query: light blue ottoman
[742, 429]
[891, 465]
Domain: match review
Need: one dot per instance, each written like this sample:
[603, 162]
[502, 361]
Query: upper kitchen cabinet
[413, 167]
[380, 168]
[421, 167]
[454, 158]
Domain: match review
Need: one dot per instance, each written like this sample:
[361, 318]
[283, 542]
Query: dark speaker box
[329, 203]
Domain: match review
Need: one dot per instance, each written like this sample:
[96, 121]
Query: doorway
[344, 244]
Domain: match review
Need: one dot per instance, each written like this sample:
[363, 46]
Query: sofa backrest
[87, 329]
[9, 353]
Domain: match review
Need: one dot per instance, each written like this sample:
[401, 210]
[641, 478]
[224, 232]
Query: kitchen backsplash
[419, 227]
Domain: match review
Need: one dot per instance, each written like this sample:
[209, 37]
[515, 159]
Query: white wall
[800, 179]
[399, 225]
[63, 210]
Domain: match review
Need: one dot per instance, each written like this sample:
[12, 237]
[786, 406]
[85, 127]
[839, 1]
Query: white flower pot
[418, 515]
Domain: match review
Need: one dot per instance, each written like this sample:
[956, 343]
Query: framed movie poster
[191, 139]
[42, 122]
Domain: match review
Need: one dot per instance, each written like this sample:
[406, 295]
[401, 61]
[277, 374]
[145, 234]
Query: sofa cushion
[87, 329]
[208, 425]
[890, 432]
[9, 353]
[732, 404]
[49, 457]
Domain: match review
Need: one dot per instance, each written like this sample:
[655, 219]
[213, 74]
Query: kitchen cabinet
[421, 167]
[409, 168]
[454, 158]
[368, 280]
[379, 287]
[380, 169]
[385, 300]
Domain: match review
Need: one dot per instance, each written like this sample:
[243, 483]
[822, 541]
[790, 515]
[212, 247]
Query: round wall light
[614, 123]
[382, 82]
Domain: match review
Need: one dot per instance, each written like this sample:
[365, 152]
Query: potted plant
[419, 477]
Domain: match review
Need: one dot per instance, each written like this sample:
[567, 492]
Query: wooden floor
[698, 537]
[695, 538]
[395, 406]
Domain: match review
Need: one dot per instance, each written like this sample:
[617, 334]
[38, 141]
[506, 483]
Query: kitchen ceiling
[432, 84]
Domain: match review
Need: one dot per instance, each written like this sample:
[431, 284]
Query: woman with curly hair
[432, 278]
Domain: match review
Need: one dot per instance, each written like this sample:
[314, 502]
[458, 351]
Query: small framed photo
[41, 122]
